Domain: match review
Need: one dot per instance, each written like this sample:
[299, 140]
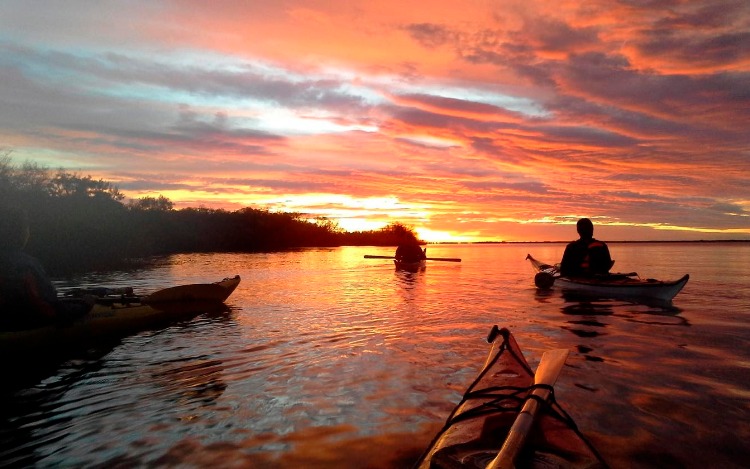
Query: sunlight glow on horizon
[467, 124]
[433, 236]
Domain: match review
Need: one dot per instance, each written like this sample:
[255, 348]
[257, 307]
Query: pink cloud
[633, 111]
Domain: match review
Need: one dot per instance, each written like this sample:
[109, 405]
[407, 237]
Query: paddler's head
[585, 228]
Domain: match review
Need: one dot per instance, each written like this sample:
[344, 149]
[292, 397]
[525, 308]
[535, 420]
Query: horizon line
[608, 242]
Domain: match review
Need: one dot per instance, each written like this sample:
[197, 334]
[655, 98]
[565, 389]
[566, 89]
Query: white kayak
[614, 285]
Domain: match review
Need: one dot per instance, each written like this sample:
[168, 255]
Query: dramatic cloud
[503, 120]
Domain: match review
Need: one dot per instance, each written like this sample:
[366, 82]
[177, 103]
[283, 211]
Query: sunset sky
[467, 120]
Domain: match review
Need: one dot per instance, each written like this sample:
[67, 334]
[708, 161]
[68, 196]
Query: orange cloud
[479, 120]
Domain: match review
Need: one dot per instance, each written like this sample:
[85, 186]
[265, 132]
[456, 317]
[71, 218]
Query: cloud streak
[483, 121]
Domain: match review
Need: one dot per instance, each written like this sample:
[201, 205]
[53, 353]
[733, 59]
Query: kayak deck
[477, 427]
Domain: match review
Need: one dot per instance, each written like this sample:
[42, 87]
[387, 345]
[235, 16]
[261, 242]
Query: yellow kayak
[113, 317]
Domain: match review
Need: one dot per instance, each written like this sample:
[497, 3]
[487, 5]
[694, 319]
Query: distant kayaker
[28, 299]
[586, 256]
[411, 252]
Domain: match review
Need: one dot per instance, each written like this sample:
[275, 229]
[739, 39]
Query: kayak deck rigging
[476, 429]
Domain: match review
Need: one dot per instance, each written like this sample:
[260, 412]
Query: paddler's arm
[43, 306]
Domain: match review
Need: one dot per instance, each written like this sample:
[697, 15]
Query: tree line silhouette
[78, 223]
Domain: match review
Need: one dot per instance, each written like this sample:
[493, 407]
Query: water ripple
[326, 359]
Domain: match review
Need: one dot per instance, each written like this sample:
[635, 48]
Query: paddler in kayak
[411, 252]
[587, 256]
[28, 299]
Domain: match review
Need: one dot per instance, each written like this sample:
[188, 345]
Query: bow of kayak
[478, 426]
[217, 291]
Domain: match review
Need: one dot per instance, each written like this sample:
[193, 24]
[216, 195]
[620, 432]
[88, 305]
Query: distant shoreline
[699, 241]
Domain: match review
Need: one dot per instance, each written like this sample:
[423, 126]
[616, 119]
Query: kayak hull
[626, 288]
[478, 426]
[102, 322]
[610, 286]
[217, 291]
[111, 318]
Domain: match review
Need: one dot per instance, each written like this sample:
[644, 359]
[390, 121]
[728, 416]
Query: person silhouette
[410, 252]
[28, 299]
[586, 256]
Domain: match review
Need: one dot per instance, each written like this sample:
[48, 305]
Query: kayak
[479, 425]
[116, 316]
[617, 285]
[217, 291]
[414, 266]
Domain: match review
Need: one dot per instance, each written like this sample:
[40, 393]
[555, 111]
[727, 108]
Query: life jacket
[586, 262]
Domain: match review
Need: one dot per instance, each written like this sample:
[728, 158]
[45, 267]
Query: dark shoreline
[695, 241]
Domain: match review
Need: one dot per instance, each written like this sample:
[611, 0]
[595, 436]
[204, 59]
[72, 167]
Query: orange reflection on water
[329, 359]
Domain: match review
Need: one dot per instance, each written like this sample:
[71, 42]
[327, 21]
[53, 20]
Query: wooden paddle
[446, 259]
[547, 373]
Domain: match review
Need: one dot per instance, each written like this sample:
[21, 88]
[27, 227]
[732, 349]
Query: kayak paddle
[446, 259]
[546, 374]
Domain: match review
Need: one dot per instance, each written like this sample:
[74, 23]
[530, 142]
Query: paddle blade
[550, 367]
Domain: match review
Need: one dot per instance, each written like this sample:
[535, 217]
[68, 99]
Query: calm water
[327, 359]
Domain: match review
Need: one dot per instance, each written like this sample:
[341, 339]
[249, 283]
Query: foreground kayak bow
[478, 427]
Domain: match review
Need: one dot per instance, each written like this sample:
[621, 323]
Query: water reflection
[659, 317]
[191, 381]
[410, 286]
[56, 364]
[407, 278]
[545, 295]
[33, 416]
[331, 360]
[587, 308]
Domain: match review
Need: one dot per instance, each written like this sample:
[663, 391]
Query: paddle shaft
[518, 433]
[445, 259]
[549, 369]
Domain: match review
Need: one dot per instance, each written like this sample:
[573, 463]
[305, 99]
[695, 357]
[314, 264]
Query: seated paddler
[410, 252]
[587, 256]
[28, 299]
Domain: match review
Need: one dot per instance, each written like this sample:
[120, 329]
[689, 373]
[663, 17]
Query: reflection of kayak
[413, 266]
[113, 317]
[612, 285]
[478, 426]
